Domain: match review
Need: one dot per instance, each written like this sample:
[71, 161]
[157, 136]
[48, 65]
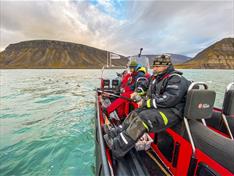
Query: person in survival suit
[128, 85]
[129, 79]
[162, 108]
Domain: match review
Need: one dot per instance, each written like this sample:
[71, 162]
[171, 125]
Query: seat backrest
[228, 103]
[199, 104]
[106, 83]
[115, 83]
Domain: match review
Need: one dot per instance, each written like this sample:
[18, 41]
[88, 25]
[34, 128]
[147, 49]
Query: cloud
[180, 27]
[80, 22]
[183, 27]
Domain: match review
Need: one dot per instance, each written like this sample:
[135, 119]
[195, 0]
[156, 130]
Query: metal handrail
[186, 120]
[196, 84]
[229, 86]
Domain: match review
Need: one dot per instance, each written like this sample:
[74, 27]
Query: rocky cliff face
[219, 55]
[54, 54]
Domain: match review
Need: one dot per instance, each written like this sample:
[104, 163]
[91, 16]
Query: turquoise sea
[47, 118]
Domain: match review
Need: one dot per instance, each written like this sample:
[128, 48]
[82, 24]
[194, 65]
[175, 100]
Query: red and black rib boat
[201, 144]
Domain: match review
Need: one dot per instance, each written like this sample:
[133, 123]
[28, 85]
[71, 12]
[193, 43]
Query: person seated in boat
[162, 108]
[128, 85]
[136, 71]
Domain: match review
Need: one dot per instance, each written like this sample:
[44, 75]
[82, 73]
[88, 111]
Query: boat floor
[140, 163]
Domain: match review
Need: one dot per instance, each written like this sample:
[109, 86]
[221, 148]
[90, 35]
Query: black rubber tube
[105, 165]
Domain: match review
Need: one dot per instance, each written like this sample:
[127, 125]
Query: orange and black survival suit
[162, 108]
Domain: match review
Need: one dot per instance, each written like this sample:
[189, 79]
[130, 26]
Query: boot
[119, 145]
[131, 116]
[112, 131]
[108, 140]
[126, 139]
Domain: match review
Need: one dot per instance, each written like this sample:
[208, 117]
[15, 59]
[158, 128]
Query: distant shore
[176, 67]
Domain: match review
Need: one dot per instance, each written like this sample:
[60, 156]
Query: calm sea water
[47, 118]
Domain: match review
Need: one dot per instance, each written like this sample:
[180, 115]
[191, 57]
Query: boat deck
[140, 163]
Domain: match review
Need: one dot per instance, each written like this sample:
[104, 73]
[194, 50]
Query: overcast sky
[180, 27]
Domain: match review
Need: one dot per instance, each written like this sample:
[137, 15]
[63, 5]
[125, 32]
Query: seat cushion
[216, 146]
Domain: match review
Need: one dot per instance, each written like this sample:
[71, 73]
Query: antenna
[139, 55]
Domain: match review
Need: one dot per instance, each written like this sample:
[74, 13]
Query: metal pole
[227, 126]
[204, 122]
[107, 58]
[110, 60]
[189, 135]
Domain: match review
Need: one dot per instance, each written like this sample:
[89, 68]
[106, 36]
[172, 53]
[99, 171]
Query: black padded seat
[215, 121]
[228, 103]
[216, 146]
[219, 148]
[199, 104]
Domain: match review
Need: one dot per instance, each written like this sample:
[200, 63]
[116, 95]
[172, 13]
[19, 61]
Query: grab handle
[193, 84]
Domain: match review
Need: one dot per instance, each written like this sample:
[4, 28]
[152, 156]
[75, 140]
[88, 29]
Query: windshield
[109, 73]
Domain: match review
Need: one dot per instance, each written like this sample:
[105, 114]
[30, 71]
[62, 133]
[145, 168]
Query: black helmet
[164, 60]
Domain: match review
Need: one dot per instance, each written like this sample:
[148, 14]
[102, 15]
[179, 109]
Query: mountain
[175, 58]
[54, 54]
[220, 55]
[58, 54]
[178, 58]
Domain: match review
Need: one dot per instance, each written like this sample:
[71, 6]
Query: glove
[137, 98]
[139, 103]
[140, 91]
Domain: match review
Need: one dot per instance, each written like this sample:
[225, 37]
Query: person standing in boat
[162, 108]
[128, 85]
